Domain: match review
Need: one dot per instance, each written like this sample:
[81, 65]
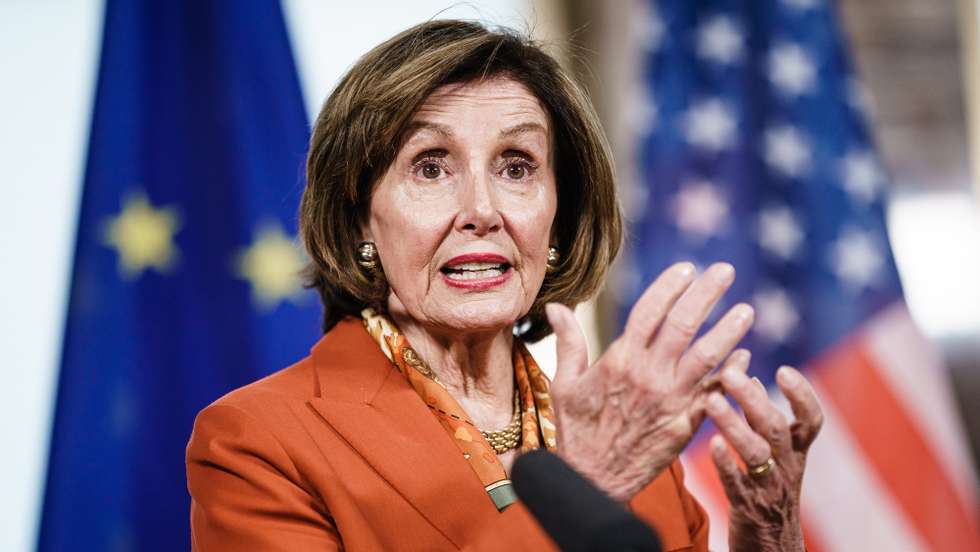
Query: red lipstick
[476, 271]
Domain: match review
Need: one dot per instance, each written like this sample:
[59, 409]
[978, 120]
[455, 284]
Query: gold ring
[763, 468]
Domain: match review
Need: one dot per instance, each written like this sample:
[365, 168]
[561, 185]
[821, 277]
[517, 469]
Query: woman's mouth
[476, 271]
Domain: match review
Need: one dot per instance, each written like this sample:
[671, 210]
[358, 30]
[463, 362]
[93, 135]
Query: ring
[763, 468]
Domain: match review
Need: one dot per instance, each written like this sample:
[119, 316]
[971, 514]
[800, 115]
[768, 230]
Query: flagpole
[969, 19]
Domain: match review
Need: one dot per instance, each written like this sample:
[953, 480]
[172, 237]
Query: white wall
[48, 52]
[48, 57]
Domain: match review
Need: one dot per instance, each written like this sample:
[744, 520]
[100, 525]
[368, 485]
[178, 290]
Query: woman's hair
[360, 128]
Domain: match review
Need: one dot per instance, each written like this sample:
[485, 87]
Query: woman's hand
[627, 417]
[765, 499]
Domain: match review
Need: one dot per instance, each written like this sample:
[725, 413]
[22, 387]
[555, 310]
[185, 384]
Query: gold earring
[553, 259]
[367, 255]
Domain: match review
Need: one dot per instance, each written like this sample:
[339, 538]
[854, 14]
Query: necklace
[503, 440]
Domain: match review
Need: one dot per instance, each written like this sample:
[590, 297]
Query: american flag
[750, 145]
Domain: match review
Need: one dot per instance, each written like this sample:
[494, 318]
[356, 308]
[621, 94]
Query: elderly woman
[460, 199]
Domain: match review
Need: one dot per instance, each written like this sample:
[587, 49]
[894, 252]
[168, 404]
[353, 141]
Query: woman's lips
[477, 271]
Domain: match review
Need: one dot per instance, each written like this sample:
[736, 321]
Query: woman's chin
[481, 316]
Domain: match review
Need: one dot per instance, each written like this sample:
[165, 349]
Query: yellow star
[272, 264]
[143, 236]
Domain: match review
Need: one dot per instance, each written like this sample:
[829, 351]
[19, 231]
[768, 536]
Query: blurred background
[911, 87]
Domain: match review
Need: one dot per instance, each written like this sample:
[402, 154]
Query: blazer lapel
[371, 405]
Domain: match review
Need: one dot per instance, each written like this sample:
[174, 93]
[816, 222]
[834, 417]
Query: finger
[761, 414]
[806, 408]
[728, 470]
[690, 311]
[753, 449]
[738, 360]
[651, 308]
[708, 351]
[571, 346]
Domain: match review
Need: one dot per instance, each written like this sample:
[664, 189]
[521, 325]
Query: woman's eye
[516, 171]
[431, 170]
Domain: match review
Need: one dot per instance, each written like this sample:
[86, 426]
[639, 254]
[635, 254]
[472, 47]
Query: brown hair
[359, 129]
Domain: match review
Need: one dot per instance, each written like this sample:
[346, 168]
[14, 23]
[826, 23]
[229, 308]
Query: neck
[474, 366]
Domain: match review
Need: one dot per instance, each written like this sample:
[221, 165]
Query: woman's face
[463, 216]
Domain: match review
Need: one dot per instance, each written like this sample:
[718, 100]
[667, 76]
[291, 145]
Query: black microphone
[574, 512]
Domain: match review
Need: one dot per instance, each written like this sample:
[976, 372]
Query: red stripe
[700, 462]
[894, 447]
[811, 538]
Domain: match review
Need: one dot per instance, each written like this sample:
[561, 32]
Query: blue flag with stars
[185, 281]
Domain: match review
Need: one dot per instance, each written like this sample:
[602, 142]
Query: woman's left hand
[765, 499]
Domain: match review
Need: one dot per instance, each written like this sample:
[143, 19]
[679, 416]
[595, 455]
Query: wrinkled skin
[765, 513]
[626, 417]
[473, 175]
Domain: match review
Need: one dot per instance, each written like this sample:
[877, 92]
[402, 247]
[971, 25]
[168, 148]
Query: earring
[367, 255]
[553, 259]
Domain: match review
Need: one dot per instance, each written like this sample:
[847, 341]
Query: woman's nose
[478, 209]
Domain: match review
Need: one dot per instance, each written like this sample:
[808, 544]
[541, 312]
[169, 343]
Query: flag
[184, 283]
[750, 145]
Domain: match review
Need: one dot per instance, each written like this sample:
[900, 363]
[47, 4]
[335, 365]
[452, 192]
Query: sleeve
[246, 492]
[667, 506]
[697, 518]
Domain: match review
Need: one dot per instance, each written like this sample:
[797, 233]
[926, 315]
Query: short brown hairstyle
[359, 130]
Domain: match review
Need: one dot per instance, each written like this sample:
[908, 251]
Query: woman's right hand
[626, 418]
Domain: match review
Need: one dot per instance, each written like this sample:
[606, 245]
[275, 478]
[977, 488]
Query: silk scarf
[537, 414]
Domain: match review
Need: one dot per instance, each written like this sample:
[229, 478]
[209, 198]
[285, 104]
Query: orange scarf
[537, 414]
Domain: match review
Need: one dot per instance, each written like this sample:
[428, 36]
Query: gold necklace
[503, 440]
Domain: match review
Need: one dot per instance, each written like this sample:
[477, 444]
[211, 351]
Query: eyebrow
[416, 126]
[523, 128]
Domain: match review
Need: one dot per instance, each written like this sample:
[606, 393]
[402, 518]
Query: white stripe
[844, 503]
[694, 480]
[917, 374]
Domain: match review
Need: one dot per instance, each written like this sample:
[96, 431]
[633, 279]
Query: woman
[460, 199]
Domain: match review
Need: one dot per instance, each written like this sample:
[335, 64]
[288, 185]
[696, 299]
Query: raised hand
[626, 418]
[764, 498]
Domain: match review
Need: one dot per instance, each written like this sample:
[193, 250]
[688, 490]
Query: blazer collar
[376, 410]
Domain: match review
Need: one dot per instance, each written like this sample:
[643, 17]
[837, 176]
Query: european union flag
[185, 278]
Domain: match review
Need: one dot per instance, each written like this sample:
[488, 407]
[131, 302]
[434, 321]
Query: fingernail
[686, 269]
[717, 443]
[726, 271]
[742, 355]
[788, 376]
[759, 383]
[743, 312]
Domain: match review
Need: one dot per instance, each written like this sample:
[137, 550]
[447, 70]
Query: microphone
[574, 512]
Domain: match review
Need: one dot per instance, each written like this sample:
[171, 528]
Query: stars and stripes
[761, 157]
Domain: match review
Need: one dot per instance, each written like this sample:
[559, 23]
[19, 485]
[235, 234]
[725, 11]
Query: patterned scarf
[537, 414]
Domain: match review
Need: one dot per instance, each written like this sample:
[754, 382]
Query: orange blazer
[339, 452]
